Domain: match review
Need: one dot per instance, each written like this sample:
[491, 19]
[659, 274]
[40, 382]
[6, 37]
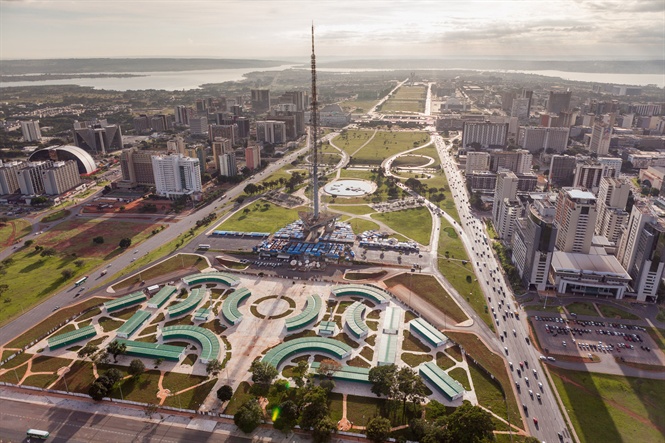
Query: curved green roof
[281, 352]
[211, 277]
[188, 305]
[353, 318]
[371, 292]
[230, 309]
[209, 342]
[60, 340]
[152, 350]
[308, 315]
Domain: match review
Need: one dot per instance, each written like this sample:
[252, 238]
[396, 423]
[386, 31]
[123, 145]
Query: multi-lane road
[544, 418]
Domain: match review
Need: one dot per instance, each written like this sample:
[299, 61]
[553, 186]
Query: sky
[348, 29]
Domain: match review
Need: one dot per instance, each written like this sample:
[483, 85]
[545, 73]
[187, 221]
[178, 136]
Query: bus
[36, 433]
[80, 281]
[204, 247]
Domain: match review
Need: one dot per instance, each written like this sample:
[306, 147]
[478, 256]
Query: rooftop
[588, 264]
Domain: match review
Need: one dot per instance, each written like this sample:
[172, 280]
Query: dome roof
[85, 162]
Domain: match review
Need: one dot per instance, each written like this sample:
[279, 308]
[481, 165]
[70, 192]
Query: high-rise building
[298, 98]
[161, 122]
[533, 244]
[575, 220]
[225, 131]
[558, 102]
[253, 157]
[611, 204]
[506, 188]
[509, 212]
[61, 177]
[562, 170]
[518, 161]
[9, 177]
[142, 124]
[588, 175]
[260, 99]
[641, 251]
[30, 130]
[176, 175]
[30, 177]
[601, 136]
[219, 147]
[486, 134]
[477, 161]
[611, 166]
[136, 168]
[183, 114]
[198, 125]
[198, 152]
[535, 139]
[520, 109]
[271, 131]
[227, 165]
[97, 137]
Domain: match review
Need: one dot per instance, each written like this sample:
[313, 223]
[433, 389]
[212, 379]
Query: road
[500, 298]
[66, 296]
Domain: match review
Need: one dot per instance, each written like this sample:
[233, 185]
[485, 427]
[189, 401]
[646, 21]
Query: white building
[271, 131]
[534, 139]
[601, 135]
[477, 161]
[485, 133]
[30, 130]
[176, 175]
[227, 165]
[198, 125]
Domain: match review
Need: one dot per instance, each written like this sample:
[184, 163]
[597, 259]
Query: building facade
[176, 175]
[61, 177]
[30, 130]
[575, 220]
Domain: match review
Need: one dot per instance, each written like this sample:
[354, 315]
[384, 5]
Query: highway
[501, 300]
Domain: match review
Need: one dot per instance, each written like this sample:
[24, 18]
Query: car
[136, 252]
[514, 333]
[56, 308]
[563, 342]
[558, 434]
[542, 357]
[540, 385]
[535, 421]
[510, 363]
[524, 407]
[517, 385]
[535, 373]
[526, 380]
[133, 260]
[506, 350]
[530, 393]
[553, 359]
[538, 396]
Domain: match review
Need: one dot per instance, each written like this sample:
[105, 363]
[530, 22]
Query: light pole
[64, 378]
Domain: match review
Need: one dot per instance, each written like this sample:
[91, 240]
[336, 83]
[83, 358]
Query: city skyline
[569, 29]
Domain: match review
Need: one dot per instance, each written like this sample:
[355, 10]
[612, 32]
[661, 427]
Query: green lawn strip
[361, 409]
[175, 263]
[613, 312]
[240, 396]
[14, 375]
[429, 288]
[358, 362]
[582, 308]
[89, 314]
[149, 330]
[69, 327]
[658, 336]
[17, 361]
[350, 141]
[359, 225]
[452, 257]
[175, 382]
[355, 209]
[52, 321]
[608, 408]
[142, 389]
[40, 380]
[443, 361]
[492, 363]
[126, 314]
[460, 375]
[192, 399]
[454, 352]
[20, 229]
[661, 314]
[262, 217]
[357, 173]
[368, 353]
[366, 276]
[386, 144]
[108, 324]
[48, 364]
[488, 393]
[335, 406]
[414, 223]
[78, 379]
[411, 343]
[414, 360]
[58, 215]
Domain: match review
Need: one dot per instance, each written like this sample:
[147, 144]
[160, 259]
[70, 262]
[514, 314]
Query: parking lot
[583, 338]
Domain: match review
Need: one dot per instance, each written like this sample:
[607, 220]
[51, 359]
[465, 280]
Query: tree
[158, 362]
[328, 384]
[410, 387]
[225, 393]
[378, 429]
[251, 189]
[79, 263]
[383, 379]
[28, 243]
[48, 252]
[315, 408]
[300, 372]
[323, 429]
[125, 243]
[115, 348]
[97, 391]
[469, 424]
[263, 373]
[113, 376]
[249, 416]
[328, 367]
[98, 240]
[287, 417]
[136, 368]
[67, 273]
[213, 366]
[87, 351]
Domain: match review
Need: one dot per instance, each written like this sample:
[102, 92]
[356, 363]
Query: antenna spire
[314, 133]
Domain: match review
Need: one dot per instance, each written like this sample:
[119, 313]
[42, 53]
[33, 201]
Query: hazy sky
[344, 28]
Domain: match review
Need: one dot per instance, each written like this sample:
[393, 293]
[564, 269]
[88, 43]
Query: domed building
[84, 161]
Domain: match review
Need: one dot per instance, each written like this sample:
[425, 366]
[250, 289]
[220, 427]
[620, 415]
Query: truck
[103, 272]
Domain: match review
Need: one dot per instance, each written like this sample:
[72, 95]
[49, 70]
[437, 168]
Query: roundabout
[350, 188]
[272, 307]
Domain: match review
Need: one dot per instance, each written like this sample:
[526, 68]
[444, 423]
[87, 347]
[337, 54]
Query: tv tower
[314, 135]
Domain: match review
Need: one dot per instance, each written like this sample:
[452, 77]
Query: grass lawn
[661, 314]
[443, 361]
[388, 143]
[176, 382]
[52, 321]
[193, 398]
[357, 173]
[358, 106]
[361, 225]
[460, 275]
[658, 336]
[72, 241]
[582, 308]
[260, 218]
[406, 99]
[40, 380]
[489, 394]
[459, 374]
[108, 324]
[16, 361]
[78, 379]
[365, 276]
[13, 230]
[412, 343]
[350, 141]
[354, 209]
[613, 312]
[15, 375]
[58, 215]
[240, 397]
[142, 389]
[175, 263]
[414, 360]
[413, 223]
[48, 364]
[608, 408]
[428, 288]
[335, 406]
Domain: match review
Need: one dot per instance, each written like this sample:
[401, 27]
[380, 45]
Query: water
[178, 80]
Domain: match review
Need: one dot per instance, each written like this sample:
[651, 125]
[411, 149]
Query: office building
[533, 244]
[219, 147]
[653, 176]
[198, 125]
[601, 136]
[562, 170]
[271, 131]
[260, 99]
[198, 152]
[136, 168]
[176, 175]
[485, 134]
[60, 177]
[558, 102]
[334, 116]
[583, 274]
[641, 251]
[648, 109]
[225, 131]
[477, 161]
[506, 188]
[97, 137]
[507, 215]
[253, 157]
[520, 108]
[30, 179]
[481, 181]
[588, 175]
[227, 165]
[298, 98]
[518, 161]
[575, 220]
[183, 114]
[161, 123]
[142, 124]
[535, 139]
[612, 199]
[611, 166]
[30, 131]
[9, 177]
